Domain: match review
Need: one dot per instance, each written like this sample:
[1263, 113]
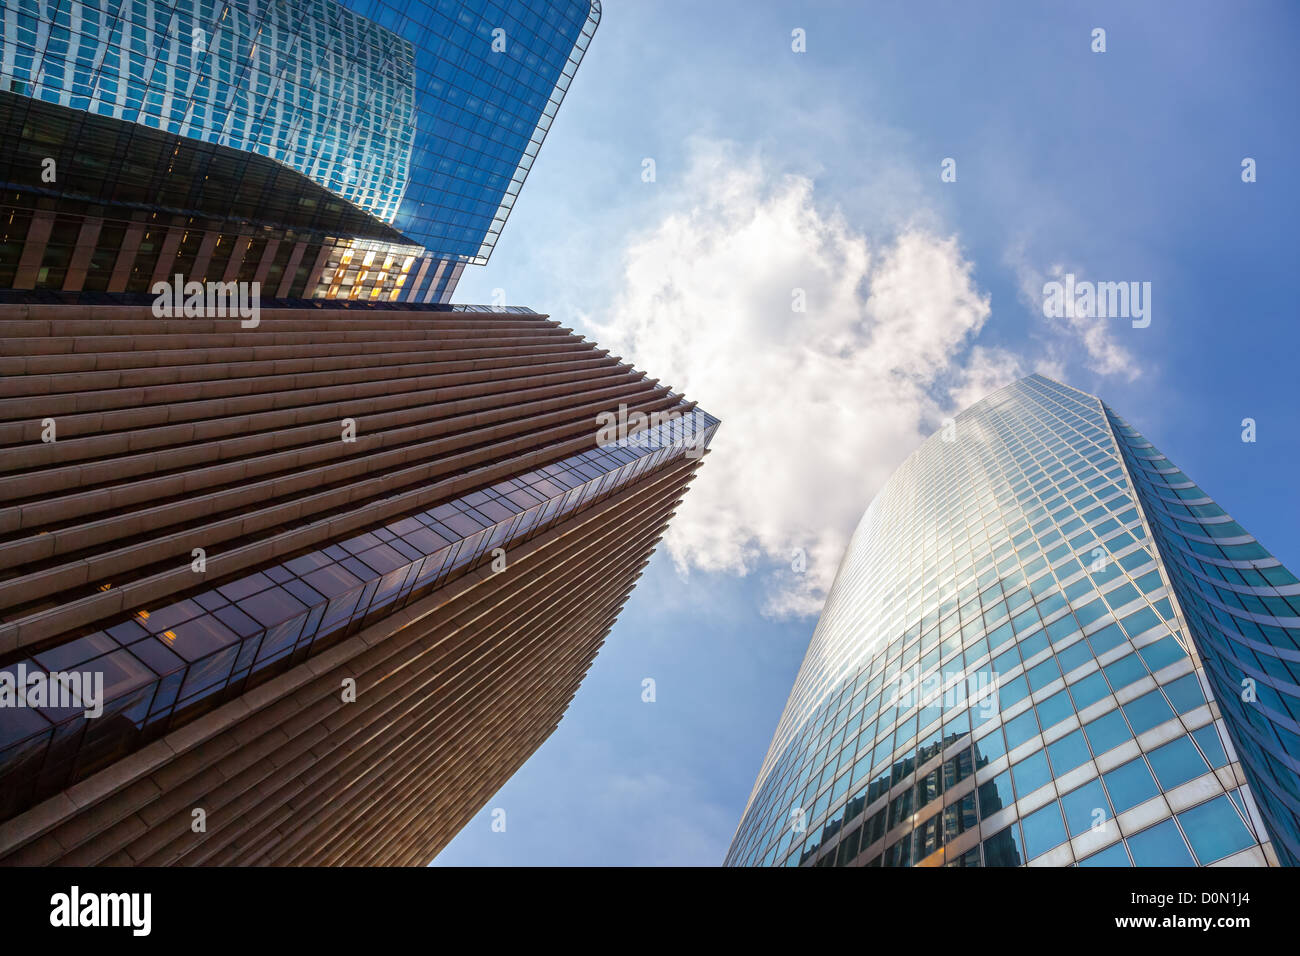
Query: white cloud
[1101, 352]
[818, 407]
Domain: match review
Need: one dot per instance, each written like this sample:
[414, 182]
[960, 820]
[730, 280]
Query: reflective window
[1215, 830]
[1043, 830]
[1177, 762]
[1085, 807]
[1130, 784]
[1160, 845]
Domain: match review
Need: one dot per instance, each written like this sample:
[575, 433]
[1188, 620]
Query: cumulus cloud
[1101, 352]
[818, 406]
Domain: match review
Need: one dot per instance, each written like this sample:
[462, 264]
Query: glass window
[900, 854]
[996, 794]
[958, 767]
[1085, 807]
[1043, 830]
[1121, 596]
[970, 858]
[1108, 637]
[1061, 628]
[1004, 848]
[1021, 728]
[989, 748]
[998, 637]
[1073, 656]
[1089, 613]
[1043, 674]
[1147, 711]
[1130, 784]
[1215, 830]
[1160, 845]
[1068, 752]
[1185, 693]
[1012, 692]
[1162, 653]
[1089, 690]
[1208, 739]
[929, 787]
[1177, 762]
[1113, 855]
[960, 816]
[928, 837]
[900, 808]
[1032, 645]
[957, 726]
[1031, 773]
[1140, 621]
[1055, 709]
[1125, 671]
[1107, 732]
[848, 847]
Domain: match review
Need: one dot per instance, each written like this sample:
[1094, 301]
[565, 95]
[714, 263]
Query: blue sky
[777, 170]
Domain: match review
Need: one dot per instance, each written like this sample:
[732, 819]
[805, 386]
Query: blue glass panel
[1068, 752]
[1215, 830]
[1160, 845]
[1208, 739]
[1113, 855]
[1031, 773]
[1107, 732]
[1177, 762]
[1043, 830]
[1085, 807]
[1130, 784]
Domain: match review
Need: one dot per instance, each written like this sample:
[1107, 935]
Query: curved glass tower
[1045, 645]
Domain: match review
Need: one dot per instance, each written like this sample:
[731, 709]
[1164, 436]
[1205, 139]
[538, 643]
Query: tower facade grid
[1004, 674]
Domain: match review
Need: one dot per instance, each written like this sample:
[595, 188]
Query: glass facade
[167, 664]
[355, 149]
[308, 84]
[1243, 608]
[489, 79]
[1033, 653]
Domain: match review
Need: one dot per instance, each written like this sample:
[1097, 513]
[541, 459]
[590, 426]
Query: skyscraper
[293, 585]
[307, 593]
[354, 149]
[1044, 645]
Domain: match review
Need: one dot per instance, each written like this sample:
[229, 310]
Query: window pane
[1085, 806]
[996, 794]
[1068, 752]
[1161, 845]
[1107, 732]
[1043, 830]
[1111, 856]
[1211, 745]
[1215, 830]
[1130, 784]
[1004, 849]
[1177, 762]
[1031, 773]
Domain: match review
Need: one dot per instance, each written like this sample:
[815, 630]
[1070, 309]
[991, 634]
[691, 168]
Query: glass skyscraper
[1044, 645]
[323, 148]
